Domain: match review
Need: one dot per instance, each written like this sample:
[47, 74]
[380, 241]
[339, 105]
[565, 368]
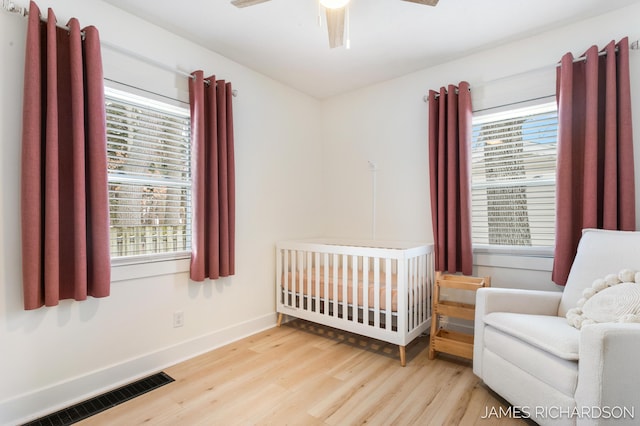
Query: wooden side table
[449, 341]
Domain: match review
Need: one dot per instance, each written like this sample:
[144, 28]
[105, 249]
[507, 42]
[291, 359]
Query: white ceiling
[389, 38]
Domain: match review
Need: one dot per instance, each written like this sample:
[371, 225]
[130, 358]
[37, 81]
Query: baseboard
[32, 405]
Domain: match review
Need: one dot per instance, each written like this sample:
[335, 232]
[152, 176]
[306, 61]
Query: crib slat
[424, 300]
[326, 284]
[411, 292]
[418, 296]
[297, 277]
[308, 292]
[286, 277]
[279, 277]
[365, 290]
[424, 297]
[354, 286]
[334, 293]
[302, 278]
[431, 269]
[388, 286]
[402, 301]
[376, 292]
[421, 286]
[424, 285]
[345, 287]
[317, 271]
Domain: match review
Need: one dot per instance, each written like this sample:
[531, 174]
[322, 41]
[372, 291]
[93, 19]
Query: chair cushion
[559, 374]
[549, 333]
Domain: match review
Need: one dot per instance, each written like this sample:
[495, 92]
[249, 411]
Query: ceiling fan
[335, 15]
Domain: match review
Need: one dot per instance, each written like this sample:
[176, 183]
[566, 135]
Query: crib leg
[403, 356]
[279, 319]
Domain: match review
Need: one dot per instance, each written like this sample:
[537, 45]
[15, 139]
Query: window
[148, 149]
[513, 172]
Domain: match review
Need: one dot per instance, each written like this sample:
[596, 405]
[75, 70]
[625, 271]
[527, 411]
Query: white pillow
[615, 298]
[613, 303]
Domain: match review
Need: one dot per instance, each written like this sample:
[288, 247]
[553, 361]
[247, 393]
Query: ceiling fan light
[334, 4]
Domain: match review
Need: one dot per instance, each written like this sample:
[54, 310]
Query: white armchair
[525, 350]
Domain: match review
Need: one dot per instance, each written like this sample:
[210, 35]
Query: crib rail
[380, 290]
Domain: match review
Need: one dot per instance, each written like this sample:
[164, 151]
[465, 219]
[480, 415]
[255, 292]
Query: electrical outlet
[178, 319]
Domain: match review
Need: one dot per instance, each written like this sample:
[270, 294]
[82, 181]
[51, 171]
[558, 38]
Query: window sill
[524, 258]
[124, 269]
[513, 250]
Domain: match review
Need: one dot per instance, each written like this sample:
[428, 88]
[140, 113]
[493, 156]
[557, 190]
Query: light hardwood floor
[306, 374]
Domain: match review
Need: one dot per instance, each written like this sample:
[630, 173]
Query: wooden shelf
[455, 309]
[453, 342]
[449, 341]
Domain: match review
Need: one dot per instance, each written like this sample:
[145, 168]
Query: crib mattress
[302, 287]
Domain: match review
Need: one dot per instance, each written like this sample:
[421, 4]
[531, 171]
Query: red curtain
[595, 178]
[65, 210]
[213, 174]
[450, 175]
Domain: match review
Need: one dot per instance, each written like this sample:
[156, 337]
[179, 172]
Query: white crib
[379, 290]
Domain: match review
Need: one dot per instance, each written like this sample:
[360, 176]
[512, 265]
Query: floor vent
[103, 402]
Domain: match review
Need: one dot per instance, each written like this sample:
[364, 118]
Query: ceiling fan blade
[425, 2]
[335, 26]
[245, 3]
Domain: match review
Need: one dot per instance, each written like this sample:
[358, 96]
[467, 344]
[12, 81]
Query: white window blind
[513, 176]
[148, 145]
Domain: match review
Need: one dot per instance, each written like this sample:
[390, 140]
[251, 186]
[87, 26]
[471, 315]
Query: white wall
[52, 356]
[289, 149]
[387, 123]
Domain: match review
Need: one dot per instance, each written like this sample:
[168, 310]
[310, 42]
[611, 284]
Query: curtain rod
[633, 46]
[437, 95]
[11, 7]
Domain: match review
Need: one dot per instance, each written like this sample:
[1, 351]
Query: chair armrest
[608, 371]
[533, 302]
[492, 299]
